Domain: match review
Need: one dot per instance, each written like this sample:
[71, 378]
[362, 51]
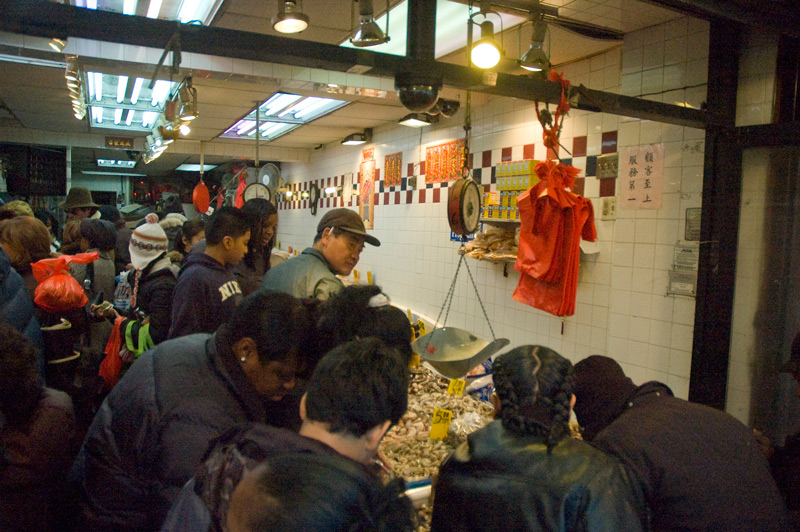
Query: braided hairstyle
[320, 492]
[535, 388]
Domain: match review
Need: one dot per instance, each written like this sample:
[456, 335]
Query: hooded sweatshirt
[205, 295]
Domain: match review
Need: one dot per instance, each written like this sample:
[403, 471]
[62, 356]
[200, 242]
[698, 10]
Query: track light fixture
[58, 45]
[74, 79]
[358, 138]
[485, 53]
[535, 59]
[290, 18]
[368, 32]
[418, 120]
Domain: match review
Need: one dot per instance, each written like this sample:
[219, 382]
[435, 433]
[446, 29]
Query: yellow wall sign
[456, 386]
[440, 423]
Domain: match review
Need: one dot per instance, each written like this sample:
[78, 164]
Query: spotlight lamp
[290, 18]
[485, 53]
[188, 98]
[57, 44]
[535, 59]
[74, 80]
[358, 138]
[368, 32]
[418, 120]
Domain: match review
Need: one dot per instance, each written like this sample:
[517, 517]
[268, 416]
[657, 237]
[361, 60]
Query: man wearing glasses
[337, 247]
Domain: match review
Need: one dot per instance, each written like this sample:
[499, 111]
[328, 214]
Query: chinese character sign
[444, 162]
[366, 187]
[641, 176]
[393, 169]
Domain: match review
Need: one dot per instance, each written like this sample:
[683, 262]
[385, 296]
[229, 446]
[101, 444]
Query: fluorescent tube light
[122, 86]
[153, 8]
[137, 88]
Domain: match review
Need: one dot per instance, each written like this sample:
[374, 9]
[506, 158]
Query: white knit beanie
[148, 242]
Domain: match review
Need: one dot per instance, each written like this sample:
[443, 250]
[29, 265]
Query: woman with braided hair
[524, 471]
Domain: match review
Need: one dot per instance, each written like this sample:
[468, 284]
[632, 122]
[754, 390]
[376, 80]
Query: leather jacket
[499, 480]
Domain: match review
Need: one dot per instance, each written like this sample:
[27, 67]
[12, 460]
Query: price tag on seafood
[456, 386]
[440, 423]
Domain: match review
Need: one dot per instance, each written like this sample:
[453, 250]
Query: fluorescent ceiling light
[129, 7]
[98, 85]
[32, 61]
[160, 92]
[117, 115]
[100, 172]
[129, 119]
[97, 114]
[116, 163]
[137, 88]
[188, 167]
[91, 4]
[149, 118]
[188, 10]
[122, 86]
[358, 138]
[153, 8]
[280, 114]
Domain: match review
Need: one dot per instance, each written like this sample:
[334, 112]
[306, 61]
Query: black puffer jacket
[152, 430]
[700, 468]
[154, 299]
[502, 481]
[16, 307]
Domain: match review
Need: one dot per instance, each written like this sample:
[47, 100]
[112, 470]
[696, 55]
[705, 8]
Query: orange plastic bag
[58, 291]
[111, 366]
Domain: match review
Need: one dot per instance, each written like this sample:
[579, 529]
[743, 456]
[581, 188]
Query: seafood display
[408, 447]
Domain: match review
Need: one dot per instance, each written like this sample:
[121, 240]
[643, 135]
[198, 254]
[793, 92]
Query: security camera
[448, 107]
[417, 92]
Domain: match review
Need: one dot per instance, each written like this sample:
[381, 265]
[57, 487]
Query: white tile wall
[622, 308]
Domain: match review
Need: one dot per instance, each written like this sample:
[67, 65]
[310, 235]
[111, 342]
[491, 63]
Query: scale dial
[464, 207]
[257, 190]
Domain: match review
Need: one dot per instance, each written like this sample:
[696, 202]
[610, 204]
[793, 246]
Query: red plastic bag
[111, 366]
[58, 291]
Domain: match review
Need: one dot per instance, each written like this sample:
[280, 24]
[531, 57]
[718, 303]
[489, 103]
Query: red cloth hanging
[238, 201]
[553, 221]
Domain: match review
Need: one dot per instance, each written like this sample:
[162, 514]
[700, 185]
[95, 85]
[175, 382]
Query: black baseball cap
[346, 220]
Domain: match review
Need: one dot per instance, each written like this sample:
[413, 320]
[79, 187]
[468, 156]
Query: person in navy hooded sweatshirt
[206, 292]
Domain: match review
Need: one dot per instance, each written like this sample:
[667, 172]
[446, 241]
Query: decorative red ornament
[201, 199]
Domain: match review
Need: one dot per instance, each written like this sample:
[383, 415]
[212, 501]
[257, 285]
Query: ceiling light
[168, 135]
[358, 138]
[58, 44]
[116, 163]
[188, 96]
[368, 32]
[189, 167]
[486, 53]
[290, 18]
[184, 129]
[535, 59]
[417, 120]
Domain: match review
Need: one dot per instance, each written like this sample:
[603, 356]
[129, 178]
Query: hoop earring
[243, 359]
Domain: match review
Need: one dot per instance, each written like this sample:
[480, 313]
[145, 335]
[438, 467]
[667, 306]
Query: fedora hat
[78, 198]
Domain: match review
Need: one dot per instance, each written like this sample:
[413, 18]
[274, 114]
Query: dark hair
[189, 229]
[109, 213]
[71, 239]
[46, 216]
[357, 386]
[277, 322]
[319, 492]
[535, 387]
[226, 221]
[100, 234]
[258, 211]
[20, 382]
[172, 204]
[347, 315]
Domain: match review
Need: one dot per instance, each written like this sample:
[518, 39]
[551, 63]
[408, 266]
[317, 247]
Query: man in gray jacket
[337, 247]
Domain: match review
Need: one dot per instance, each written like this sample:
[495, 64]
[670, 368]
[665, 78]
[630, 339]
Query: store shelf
[499, 221]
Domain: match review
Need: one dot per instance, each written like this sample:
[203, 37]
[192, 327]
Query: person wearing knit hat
[153, 280]
[698, 467]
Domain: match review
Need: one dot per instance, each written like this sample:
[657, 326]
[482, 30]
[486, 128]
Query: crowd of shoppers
[244, 398]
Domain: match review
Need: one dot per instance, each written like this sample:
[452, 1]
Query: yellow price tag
[355, 275]
[440, 424]
[456, 386]
[421, 327]
[369, 277]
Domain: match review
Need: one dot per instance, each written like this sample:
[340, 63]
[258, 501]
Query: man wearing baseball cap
[337, 246]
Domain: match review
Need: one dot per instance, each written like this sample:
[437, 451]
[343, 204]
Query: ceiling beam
[765, 15]
[49, 19]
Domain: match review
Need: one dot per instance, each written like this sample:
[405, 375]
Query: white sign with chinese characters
[642, 176]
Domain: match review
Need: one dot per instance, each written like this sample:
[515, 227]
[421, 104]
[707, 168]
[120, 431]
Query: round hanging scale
[257, 190]
[464, 207]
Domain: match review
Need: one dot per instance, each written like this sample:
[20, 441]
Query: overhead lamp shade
[58, 44]
[188, 96]
[358, 138]
[535, 59]
[289, 19]
[416, 120]
[486, 53]
[368, 34]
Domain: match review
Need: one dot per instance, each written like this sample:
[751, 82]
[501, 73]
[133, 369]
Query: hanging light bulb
[290, 18]
[368, 32]
[184, 129]
[486, 53]
[535, 59]
[57, 44]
